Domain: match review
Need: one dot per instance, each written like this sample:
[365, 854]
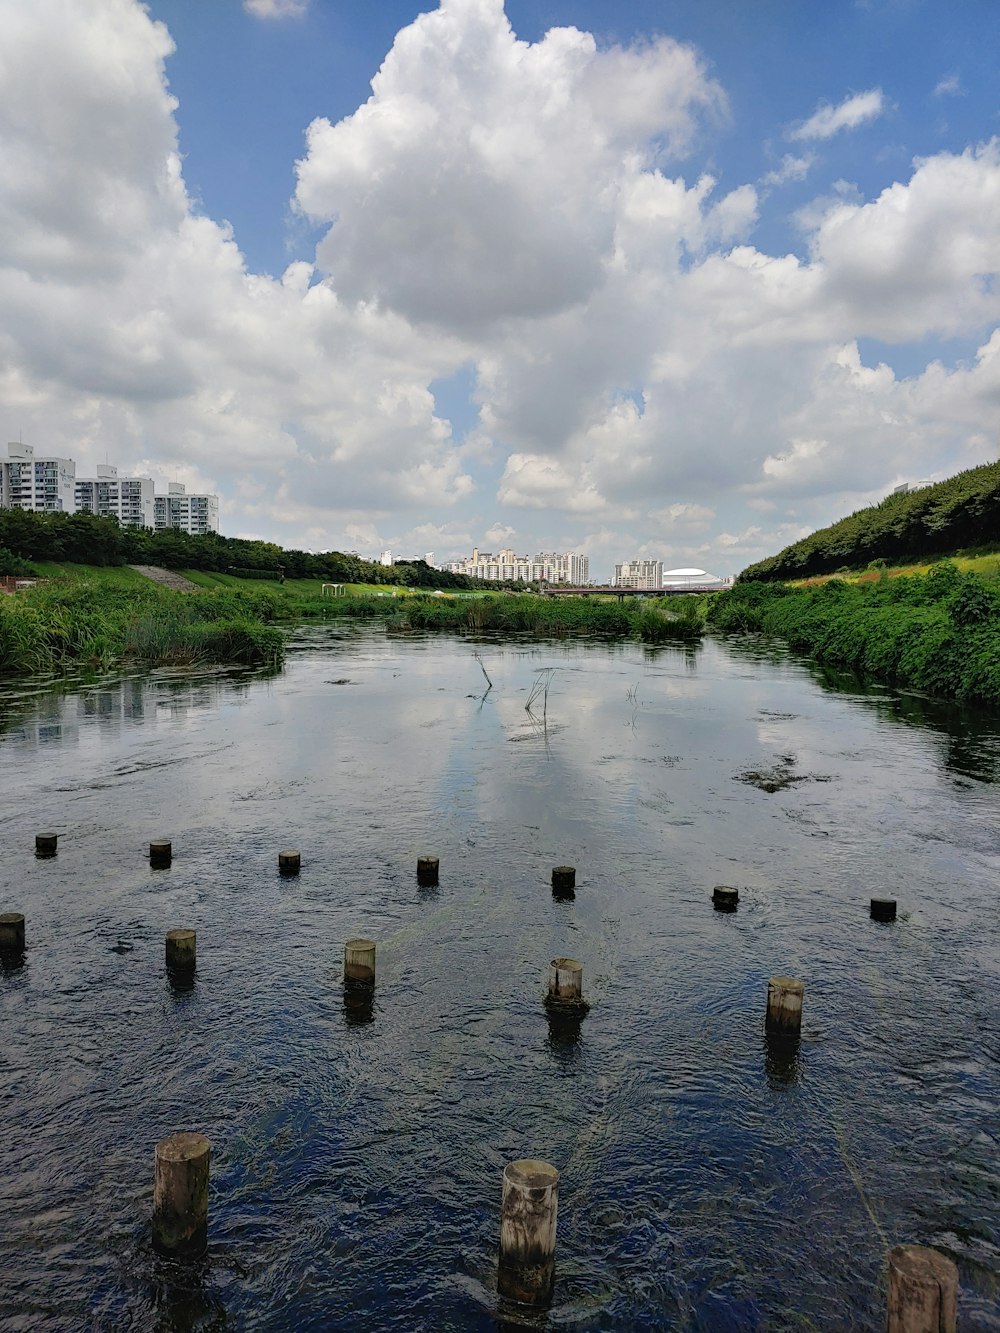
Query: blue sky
[672, 280]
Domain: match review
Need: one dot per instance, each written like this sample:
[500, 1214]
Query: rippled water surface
[707, 1181]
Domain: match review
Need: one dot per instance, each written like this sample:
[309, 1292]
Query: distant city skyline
[667, 282]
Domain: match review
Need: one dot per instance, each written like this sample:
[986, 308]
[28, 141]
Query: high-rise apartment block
[505, 566]
[639, 574]
[196, 514]
[44, 485]
[48, 485]
[128, 499]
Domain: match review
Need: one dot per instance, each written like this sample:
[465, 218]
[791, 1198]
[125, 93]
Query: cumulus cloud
[480, 181]
[643, 370]
[853, 111]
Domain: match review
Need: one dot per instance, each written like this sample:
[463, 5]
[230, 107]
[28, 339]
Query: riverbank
[515, 614]
[100, 622]
[938, 632]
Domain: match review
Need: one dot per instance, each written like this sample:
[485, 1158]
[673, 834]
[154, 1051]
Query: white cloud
[641, 368]
[791, 168]
[276, 9]
[479, 183]
[949, 86]
[853, 111]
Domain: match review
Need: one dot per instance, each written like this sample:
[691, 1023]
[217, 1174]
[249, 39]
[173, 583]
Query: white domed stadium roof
[685, 574]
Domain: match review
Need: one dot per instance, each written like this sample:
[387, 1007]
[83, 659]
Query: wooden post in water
[160, 852]
[528, 1208]
[289, 862]
[883, 909]
[359, 963]
[12, 933]
[725, 899]
[784, 1006]
[923, 1291]
[181, 950]
[563, 879]
[46, 844]
[180, 1195]
[427, 871]
[565, 993]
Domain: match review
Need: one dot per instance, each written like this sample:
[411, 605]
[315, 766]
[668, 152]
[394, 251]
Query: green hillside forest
[952, 515]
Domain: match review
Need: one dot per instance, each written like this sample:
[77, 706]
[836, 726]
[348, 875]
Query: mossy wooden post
[427, 871]
[563, 880]
[883, 909]
[725, 899]
[182, 948]
[46, 844]
[180, 1195]
[923, 1291]
[528, 1208]
[359, 964]
[12, 933]
[784, 1006]
[289, 862]
[160, 852]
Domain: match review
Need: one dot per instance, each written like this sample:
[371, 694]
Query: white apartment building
[42, 485]
[128, 499]
[50, 485]
[639, 574]
[195, 514]
[547, 567]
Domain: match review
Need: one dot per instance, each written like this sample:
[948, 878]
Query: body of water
[708, 1181]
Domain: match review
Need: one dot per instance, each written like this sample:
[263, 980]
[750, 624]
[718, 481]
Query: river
[708, 1182]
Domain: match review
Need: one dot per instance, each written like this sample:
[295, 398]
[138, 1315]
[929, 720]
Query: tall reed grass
[81, 623]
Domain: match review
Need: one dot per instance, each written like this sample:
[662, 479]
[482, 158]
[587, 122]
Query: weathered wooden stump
[12, 933]
[427, 871]
[180, 1195]
[883, 909]
[725, 899]
[923, 1291]
[528, 1209]
[565, 994]
[160, 852]
[289, 862]
[46, 844]
[181, 950]
[564, 880]
[359, 963]
[784, 1006]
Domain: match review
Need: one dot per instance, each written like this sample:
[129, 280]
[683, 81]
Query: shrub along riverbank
[542, 617]
[99, 623]
[939, 632]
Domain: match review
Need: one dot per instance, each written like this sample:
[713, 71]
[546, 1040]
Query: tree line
[952, 515]
[85, 539]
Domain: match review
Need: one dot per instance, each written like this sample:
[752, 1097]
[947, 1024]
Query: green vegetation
[97, 623]
[962, 513]
[938, 632]
[522, 613]
[87, 540]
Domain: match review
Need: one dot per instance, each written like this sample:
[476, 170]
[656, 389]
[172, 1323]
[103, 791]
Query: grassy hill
[960, 515]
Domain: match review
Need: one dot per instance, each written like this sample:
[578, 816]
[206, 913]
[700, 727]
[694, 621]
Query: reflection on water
[358, 1138]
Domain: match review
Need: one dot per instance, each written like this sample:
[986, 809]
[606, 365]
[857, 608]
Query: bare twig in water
[489, 683]
[541, 687]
